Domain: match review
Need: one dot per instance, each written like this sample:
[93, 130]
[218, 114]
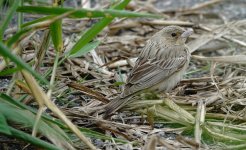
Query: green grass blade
[25, 31]
[16, 37]
[20, 16]
[33, 140]
[1, 4]
[26, 119]
[8, 18]
[6, 52]
[42, 19]
[4, 128]
[87, 132]
[56, 34]
[9, 71]
[18, 104]
[88, 47]
[94, 30]
[82, 13]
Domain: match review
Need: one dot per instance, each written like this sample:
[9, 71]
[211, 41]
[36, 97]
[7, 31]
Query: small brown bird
[159, 67]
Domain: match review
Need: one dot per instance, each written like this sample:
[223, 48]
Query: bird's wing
[151, 71]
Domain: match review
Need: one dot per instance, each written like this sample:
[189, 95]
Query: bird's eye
[173, 34]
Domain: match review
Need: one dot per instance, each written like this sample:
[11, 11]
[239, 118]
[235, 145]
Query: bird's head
[174, 35]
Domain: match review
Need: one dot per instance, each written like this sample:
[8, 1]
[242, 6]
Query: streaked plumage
[159, 67]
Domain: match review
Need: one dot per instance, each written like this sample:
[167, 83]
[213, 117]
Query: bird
[159, 67]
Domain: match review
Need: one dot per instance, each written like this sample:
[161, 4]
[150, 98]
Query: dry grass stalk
[43, 99]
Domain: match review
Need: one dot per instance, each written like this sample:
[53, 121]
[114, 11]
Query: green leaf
[9, 71]
[88, 47]
[94, 30]
[26, 119]
[18, 104]
[82, 13]
[56, 34]
[5, 52]
[1, 3]
[42, 19]
[87, 132]
[39, 25]
[8, 17]
[16, 37]
[33, 140]
[4, 128]
[8, 99]
[119, 83]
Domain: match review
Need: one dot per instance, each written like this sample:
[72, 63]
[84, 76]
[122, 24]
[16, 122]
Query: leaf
[8, 17]
[82, 13]
[43, 99]
[119, 83]
[42, 19]
[88, 47]
[41, 24]
[27, 119]
[9, 71]
[51, 120]
[4, 128]
[94, 30]
[18, 36]
[56, 34]
[6, 52]
[33, 140]
[18, 104]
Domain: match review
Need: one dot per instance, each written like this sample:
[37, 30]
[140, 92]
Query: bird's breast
[170, 82]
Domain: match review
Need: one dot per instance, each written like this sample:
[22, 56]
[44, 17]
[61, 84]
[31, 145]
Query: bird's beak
[187, 33]
[184, 37]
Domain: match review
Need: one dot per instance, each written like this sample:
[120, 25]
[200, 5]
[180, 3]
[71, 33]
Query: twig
[202, 5]
[200, 118]
[168, 22]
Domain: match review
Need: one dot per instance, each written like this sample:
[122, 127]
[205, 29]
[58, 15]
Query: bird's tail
[115, 105]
